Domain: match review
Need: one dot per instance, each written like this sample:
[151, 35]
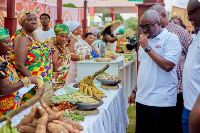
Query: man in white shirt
[157, 80]
[191, 70]
[44, 32]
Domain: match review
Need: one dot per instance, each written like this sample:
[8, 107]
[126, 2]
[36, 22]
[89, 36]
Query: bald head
[162, 13]
[150, 15]
[193, 4]
[150, 23]
[193, 9]
[159, 8]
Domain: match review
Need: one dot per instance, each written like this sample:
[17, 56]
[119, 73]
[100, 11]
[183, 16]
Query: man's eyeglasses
[190, 12]
[147, 28]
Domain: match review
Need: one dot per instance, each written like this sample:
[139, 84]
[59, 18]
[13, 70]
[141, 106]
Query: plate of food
[109, 80]
[79, 100]
[89, 106]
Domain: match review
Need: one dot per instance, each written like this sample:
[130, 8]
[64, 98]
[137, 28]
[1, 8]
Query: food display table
[126, 72]
[112, 116]
[89, 67]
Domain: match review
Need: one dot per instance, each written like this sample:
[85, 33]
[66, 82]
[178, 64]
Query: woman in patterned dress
[30, 56]
[10, 83]
[79, 49]
[61, 57]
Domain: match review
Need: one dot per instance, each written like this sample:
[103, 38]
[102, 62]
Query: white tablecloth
[112, 117]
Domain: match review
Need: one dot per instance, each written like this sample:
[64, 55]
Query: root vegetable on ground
[27, 129]
[50, 122]
[73, 123]
[47, 108]
[34, 123]
[67, 126]
[28, 118]
[41, 126]
[41, 110]
[55, 109]
[56, 128]
[54, 116]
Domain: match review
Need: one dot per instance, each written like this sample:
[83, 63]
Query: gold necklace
[58, 46]
[33, 38]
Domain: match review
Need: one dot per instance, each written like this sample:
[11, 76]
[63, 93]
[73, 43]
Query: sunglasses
[147, 28]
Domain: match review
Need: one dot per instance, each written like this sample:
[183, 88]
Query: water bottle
[102, 48]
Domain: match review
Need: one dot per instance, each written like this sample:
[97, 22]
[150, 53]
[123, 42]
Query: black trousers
[179, 111]
[150, 119]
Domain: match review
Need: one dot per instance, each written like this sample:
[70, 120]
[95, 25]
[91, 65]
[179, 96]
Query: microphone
[2, 70]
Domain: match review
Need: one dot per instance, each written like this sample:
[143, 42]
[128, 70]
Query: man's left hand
[143, 41]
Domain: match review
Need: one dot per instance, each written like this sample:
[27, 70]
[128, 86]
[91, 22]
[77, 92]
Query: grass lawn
[131, 115]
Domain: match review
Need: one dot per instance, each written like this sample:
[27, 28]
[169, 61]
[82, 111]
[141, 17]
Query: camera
[2, 70]
[133, 42]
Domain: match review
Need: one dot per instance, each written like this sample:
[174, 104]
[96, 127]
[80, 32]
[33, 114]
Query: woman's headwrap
[72, 25]
[61, 28]
[94, 30]
[23, 15]
[4, 33]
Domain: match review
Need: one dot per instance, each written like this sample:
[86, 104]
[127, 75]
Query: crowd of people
[169, 72]
[48, 53]
[168, 58]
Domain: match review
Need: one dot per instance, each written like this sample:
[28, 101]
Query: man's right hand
[131, 99]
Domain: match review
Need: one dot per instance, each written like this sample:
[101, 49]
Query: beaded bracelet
[26, 81]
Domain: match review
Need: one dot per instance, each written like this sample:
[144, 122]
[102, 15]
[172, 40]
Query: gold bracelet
[26, 81]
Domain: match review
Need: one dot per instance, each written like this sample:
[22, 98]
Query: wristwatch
[134, 91]
[148, 48]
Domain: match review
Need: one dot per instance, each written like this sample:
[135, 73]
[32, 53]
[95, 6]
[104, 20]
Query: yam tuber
[28, 118]
[26, 129]
[56, 128]
[55, 109]
[74, 124]
[34, 123]
[41, 126]
[47, 108]
[41, 111]
[54, 116]
[67, 126]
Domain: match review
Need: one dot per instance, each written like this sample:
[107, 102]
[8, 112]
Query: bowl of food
[88, 106]
[85, 102]
[109, 80]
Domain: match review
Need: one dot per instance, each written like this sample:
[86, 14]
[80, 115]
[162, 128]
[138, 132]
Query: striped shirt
[185, 40]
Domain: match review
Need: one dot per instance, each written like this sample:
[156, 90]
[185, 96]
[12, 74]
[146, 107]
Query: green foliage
[131, 111]
[132, 23]
[69, 5]
[117, 17]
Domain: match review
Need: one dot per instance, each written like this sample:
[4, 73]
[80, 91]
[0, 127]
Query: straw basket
[48, 94]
